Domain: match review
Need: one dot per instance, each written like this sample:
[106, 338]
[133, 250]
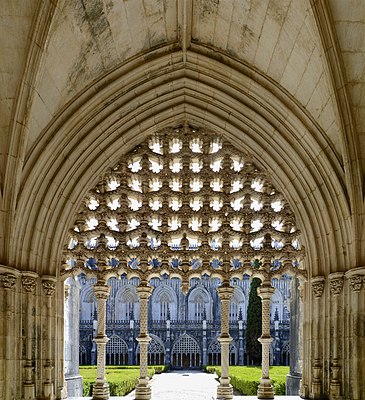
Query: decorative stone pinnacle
[29, 284]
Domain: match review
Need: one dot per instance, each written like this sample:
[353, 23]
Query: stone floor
[185, 385]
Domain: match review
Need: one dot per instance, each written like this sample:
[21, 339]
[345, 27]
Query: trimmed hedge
[121, 379]
[246, 379]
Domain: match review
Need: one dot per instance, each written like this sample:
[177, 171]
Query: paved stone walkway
[185, 385]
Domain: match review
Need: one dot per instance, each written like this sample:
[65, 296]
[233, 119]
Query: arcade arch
[185, 203]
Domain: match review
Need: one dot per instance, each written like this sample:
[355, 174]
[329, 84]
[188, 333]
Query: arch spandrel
[183, 203]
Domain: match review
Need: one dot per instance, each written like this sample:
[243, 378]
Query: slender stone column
[49, 287]
[265, 389]
[7, 306]
[225, 390]
[29, 283]
[101, 387]
[317, 290]
[336, 284]
[143, 390]
[355, 281]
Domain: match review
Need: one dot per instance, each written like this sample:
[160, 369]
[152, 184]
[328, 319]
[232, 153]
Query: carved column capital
[8, 280]
[317, 286]
[101, 292]
[225, 292]
[336, 283]
[49, 285]
[356, 282]
[29, 284]
[144, 291]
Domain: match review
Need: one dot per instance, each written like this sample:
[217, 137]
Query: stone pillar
[49, 287]
[101, 387]
[265, 389]
[295, 374]
[317, 290]
[29, 282]
[225, 390]
[336, 284]
[72, 338]
[143, 390]
[8, 340]
[356, 335]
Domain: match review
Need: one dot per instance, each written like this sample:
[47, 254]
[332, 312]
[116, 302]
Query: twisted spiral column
[225, 390]
[265, 389]
[143, 390]
[101, 387]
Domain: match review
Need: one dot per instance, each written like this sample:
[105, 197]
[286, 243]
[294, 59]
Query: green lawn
[121, 379]
[246, 379]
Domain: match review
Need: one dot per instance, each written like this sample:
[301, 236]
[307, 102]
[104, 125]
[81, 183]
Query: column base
[143, 390]
[335, 390]
[316, 390]
[293, 384]
[224, 392]
[265, 389]
[101, 391]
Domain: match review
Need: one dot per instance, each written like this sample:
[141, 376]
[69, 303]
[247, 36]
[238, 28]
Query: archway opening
[185, 204]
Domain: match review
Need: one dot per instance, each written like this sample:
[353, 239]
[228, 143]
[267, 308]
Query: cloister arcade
[184, 203]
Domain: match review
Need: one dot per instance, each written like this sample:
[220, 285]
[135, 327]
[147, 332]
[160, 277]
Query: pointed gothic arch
[128, 303]
[164, 303]
[186, 352]
[200, 304]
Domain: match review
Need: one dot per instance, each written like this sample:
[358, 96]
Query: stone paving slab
[186, 385]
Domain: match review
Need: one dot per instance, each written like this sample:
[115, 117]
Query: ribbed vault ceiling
[82, 79]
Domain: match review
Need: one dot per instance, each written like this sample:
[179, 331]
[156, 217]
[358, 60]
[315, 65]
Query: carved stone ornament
[8, 280]
[186, 198]
[317, 289]
[49, 287]
[336, 286]
[29, 284]
[356, 282]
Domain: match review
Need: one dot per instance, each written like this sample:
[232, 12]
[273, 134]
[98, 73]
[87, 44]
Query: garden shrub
[246, 379]
[121, 379]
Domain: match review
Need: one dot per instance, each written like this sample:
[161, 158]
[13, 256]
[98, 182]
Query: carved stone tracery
[184, 202]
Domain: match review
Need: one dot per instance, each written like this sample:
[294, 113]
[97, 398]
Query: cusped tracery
[185, 201]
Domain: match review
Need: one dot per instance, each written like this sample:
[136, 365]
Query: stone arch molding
[185, 203]
[253, 112]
